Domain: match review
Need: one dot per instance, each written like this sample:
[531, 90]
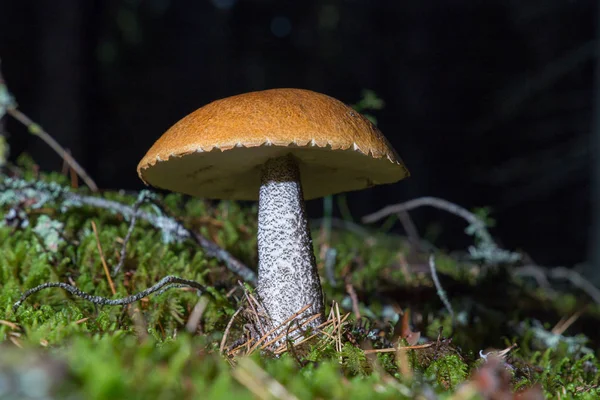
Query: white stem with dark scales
[287, 272]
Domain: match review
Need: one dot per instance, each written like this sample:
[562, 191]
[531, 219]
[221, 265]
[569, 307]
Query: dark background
[490, 103]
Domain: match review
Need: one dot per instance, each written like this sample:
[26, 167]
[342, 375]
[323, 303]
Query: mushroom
[280, 147]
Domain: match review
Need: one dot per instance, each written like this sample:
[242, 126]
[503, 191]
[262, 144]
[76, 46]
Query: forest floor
[508, 329]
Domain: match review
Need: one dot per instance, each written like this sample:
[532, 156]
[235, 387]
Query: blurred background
[490, 103]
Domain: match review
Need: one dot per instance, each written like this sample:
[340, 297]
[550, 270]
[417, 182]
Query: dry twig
[11, 109]
[393, 349]
[542, 273]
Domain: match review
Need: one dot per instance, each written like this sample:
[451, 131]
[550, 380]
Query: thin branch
[486, 248]
[170, 226]
[38, 131]
[572, 276]
[565, 322]
[440, 290]
[38, 193]
[166, 283]
[394, 349]
[424, 201]
[135, 208]
[410, 228]
[11, 109]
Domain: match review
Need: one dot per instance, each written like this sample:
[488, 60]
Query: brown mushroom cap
[218, 150]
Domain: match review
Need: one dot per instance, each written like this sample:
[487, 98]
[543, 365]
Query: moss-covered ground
[508, 333]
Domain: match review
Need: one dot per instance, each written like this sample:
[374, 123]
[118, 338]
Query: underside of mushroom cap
[218, 150]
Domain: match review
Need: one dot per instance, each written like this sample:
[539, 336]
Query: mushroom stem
[287, 272]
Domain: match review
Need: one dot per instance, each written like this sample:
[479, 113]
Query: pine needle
[110, 282]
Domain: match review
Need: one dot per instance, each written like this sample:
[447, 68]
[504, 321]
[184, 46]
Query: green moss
[447, 371]
[355, 361]
[104, 352]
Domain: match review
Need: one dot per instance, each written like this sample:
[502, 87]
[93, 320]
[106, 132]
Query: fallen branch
[38, 193]
[486, 247]
[166, 283]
